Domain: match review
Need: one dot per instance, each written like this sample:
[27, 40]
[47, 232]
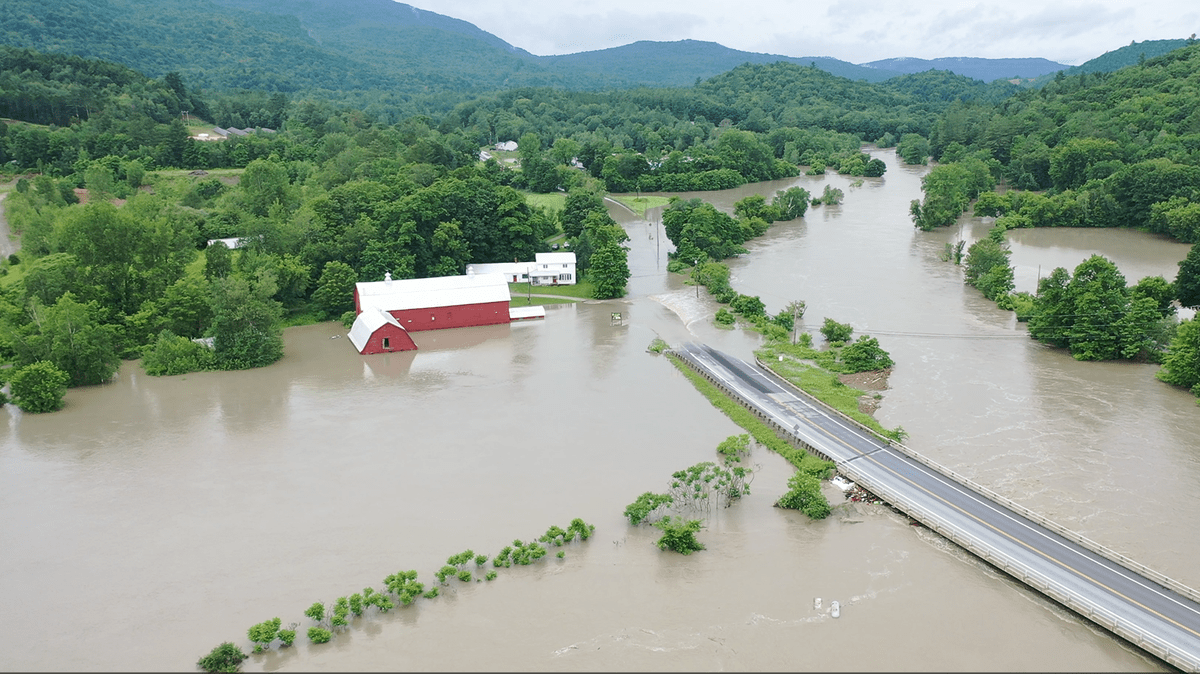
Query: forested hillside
[1106, 149]
[1118, 149]
[1133, 53]
[380, 55]
[986, 70]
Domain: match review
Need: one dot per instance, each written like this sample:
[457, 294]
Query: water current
[153, 518]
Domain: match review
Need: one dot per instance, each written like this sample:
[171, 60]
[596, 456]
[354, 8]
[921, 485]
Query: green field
[640, 204]
[554, 201]
[582, 290]
[523, 301]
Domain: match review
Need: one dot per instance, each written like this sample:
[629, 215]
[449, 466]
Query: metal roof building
[429, 304]
[377, 331]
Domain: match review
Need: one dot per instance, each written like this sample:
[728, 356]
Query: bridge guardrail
[1038, 581]
[1030, 577]
[1109, 554]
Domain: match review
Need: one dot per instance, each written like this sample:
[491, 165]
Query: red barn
[376, 331]
[425, 304]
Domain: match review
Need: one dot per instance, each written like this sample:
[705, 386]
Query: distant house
[388, 310]
[546, 269]
[507, 146]
[230, 243]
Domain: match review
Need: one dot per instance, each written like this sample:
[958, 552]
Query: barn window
[387, 343]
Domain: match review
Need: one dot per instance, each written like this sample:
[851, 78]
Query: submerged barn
[413, 305]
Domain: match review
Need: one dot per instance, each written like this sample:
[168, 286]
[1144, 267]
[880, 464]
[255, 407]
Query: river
[156, 517]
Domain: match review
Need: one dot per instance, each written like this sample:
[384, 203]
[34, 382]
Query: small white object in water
[817, 603]
[835, 609]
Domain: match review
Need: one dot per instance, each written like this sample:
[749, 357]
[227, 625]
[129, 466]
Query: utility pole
[795, 319]
[657, 253]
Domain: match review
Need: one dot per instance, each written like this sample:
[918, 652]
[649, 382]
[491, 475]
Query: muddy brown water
[153, 518]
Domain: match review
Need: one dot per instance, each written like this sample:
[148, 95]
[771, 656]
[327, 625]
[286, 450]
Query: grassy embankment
[801, 365]
[639, 204]
[802, 460]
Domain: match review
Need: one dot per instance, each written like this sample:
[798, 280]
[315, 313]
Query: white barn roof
[426, 293]
[365, 325]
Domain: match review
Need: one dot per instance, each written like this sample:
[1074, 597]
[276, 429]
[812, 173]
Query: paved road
[1163, 621]
[8, 245]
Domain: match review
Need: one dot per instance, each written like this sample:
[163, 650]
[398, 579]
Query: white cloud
[851, 30]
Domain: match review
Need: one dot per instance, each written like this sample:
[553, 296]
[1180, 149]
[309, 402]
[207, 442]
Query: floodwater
[153, 518]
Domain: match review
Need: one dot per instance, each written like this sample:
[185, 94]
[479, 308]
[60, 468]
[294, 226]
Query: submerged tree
[679, 535]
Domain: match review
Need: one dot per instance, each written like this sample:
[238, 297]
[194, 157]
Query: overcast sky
[857, 31]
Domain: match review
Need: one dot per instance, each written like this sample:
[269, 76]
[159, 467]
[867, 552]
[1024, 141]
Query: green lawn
[178, 173]
[818, 382]
[582, 290]
[640, 204]
[523, 301]
[554, 201]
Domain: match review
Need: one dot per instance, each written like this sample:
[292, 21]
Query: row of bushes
[804, 462]
[401, 587]
[692, 489]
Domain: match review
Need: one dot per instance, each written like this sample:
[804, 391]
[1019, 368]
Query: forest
[325, 193]
[1100, 149]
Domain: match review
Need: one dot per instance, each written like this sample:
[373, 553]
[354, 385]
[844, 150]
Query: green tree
[913, 148]
[73, 336]
[1098, 296]
[334, 293]
[679, 535]
[264, 183]
[865, 355]
[47, 278]
[450, 250]
[224, 658]
[608, 266]
[1158, 289]
[645, 506]
[791, 203]
[539, 172]
[1181, 365]
[172, 354]
[579, 204]
[262, 634]
[836, 333]
[218, 261]
[1187, 282]
[1053, 310]
[804, 494]
[831, 196]
[39, 387]
[245, 326]
[988, 268]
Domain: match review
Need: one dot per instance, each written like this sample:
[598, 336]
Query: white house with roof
[546, 269]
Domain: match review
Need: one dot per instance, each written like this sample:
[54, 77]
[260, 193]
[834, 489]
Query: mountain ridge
[378, 45]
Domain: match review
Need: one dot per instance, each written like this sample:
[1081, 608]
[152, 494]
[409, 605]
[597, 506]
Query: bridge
[1148, 609]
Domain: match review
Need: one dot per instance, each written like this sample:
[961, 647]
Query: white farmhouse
[547, 269]
[553, 269]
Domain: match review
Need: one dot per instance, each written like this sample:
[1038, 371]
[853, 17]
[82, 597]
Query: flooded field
[158, 517]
